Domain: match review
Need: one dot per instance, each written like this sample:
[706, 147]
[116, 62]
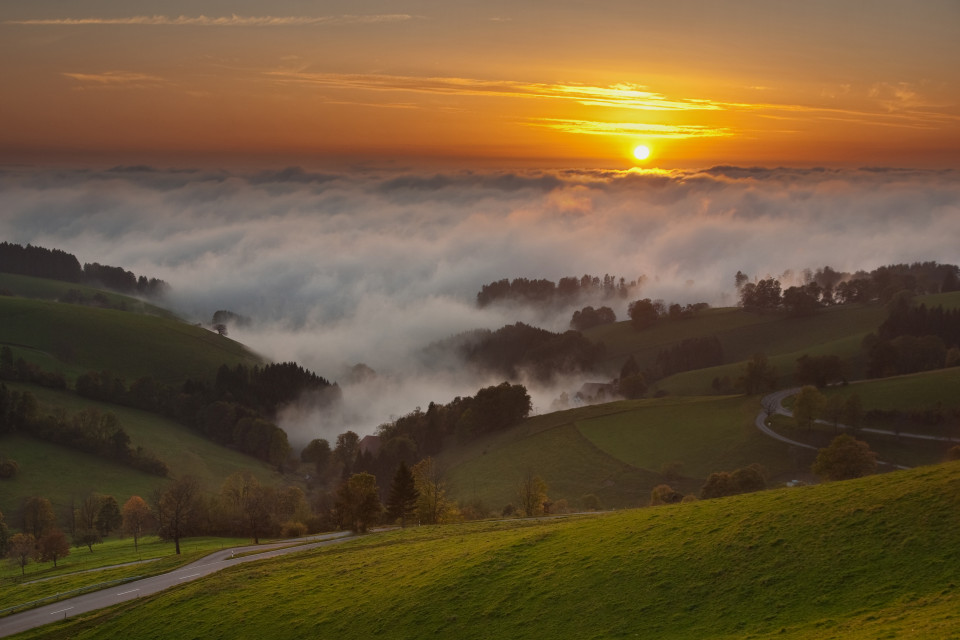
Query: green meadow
[79, 474]
[870, 558]
[74, 339]
[617, 451]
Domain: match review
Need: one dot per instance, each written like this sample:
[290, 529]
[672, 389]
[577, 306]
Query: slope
[616, 451]
[78, 339]
[875, 557]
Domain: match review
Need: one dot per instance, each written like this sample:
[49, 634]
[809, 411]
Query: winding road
[203, 567]
[773, 404]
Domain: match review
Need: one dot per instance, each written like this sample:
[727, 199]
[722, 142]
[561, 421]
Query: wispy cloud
[629, 96]
[126, 79]
[220, 21]
[632, 128]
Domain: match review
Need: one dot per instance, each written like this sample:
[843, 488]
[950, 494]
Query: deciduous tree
[53, 545]
[844, 459]
[178, 506]
[108, 516]
[808, 406]
[137, 518]
[531, 494]
[250, 501]
[433, 506]
[22, 549]
[38, 516]
[358, 500]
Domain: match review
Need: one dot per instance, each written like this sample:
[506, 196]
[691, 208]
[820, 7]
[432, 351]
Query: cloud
[340, 268]
[632, 128]
[218, 21]
[114, 79]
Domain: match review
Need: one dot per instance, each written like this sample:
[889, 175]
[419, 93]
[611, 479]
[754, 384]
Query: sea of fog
[370, 267]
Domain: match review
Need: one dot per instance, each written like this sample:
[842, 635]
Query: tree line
[912, 339]
[89, 430]
[55, 264]
[519, 347]
[567, 290]
[826, 287]
[238, 410]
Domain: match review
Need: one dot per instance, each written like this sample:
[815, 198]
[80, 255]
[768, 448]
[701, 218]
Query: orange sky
[395, 83]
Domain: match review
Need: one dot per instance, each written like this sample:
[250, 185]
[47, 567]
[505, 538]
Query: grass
[43, 289]
[924, 390]
[128, 344]
[705, 434]
[876, 557]
[616, 451]
[832, 331]
[62, 475]
[85, 569]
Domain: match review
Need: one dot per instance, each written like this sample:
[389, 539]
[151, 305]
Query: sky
[480, 84]
[350, 174]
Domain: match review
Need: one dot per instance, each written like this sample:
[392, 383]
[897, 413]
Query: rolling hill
[869, 558]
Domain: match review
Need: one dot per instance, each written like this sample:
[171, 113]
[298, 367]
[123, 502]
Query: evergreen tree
[402, 502]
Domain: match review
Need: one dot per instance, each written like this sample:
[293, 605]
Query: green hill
[61, 474]
[616, 451]
[870, 558]
[835, 330]
[141, 340]
[74, 339]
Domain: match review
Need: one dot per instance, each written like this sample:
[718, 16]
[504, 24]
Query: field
[616, 451]
[75, 339]
[869, 558]
[40, 288]
[62, 474]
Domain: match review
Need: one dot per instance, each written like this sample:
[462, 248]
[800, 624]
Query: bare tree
[178, 508]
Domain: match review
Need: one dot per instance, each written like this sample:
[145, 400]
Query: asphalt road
[203, 567]
[773, 403]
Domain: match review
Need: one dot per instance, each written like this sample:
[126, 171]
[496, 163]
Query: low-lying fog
[337, 270]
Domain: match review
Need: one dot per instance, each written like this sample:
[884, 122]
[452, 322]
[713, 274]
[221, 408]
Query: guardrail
[66, 594]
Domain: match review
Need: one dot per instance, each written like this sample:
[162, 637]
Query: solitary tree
[137, 518]
[531, 494]
[358, 500]
[21, 549]
[402, 502]
[808, 406]
[53, 545]
[853, 412]
[178, 506]
[844, 459]
[433, 506]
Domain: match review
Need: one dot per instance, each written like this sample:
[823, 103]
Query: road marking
[192, 575]
[61, 611]
[126, 592]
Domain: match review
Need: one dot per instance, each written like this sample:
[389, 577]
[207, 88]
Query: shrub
[664, 494]
[8, 468]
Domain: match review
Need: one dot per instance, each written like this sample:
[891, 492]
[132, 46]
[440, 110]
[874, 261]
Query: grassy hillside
[832, 331]
[40, 288]
[872, 558]
[616, 450]
[74, 339]
[61, 474]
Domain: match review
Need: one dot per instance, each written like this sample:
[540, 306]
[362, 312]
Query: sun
[641, 152]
